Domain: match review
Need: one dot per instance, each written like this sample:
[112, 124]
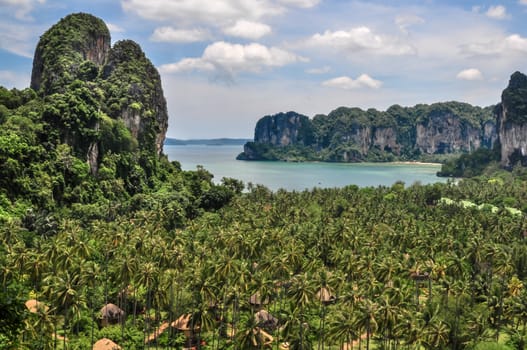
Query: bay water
[221, 161]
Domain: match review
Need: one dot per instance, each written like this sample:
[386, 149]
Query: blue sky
[226, 63]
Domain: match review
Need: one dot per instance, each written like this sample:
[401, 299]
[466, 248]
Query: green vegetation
[406, 266]
[472, 164]
[62, 53]
[296, 153]
[47, 188]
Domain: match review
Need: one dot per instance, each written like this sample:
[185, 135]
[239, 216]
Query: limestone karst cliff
[352, 134]
[135, 95]
[284, 129]
[512, 119]
[116, 85]
[445, 132]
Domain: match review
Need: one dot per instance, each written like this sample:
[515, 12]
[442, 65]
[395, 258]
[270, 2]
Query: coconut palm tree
[148, 278]
[66, 289]
[366, 320]
[342, 325]
[40, 329]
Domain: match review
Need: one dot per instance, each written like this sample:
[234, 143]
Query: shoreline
[409, 162]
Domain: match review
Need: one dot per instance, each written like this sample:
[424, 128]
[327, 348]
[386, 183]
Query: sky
[224, 64]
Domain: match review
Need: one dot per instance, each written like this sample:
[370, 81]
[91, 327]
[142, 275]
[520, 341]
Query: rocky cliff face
[512, 118]
[360, 136]
[351, 134]
[76, 51]
[445, 133]
[386, 139]
[138, 99]
[283, 129]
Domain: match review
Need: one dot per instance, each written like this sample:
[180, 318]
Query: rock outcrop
[137, 98]
[352, 134]
[284, 129]
[124, 85]
[445, 133]
[512, 119]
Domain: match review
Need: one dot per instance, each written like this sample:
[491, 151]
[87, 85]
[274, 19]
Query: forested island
[108, 245]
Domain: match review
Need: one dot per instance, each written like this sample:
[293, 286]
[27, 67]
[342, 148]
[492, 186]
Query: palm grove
[94, 219]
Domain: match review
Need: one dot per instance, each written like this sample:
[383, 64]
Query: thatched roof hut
[111, 314]
[35, 306]
[265, 320]
[184, 323]
[325, 296]
[105, 344]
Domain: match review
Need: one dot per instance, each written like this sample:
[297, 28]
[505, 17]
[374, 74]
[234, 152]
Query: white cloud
[497, 46]
[169, 34]
[229, 59]
[187, 65]
[217, 12]
[321, 70]
[114, 28]
[300, 3]
[361, 39]
[516, 42]
[21, 8]
[348, 83]
[470, 74]
[248, 29]
[522, 2]
[452, 36]
[497, 12]
[251, 57]
[241, 18]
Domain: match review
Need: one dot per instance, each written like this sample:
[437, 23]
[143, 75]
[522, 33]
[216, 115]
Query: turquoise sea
[221, 161]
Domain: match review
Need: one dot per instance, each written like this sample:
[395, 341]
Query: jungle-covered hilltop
[108, 245]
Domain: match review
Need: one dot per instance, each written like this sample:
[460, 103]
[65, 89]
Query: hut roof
[184, 322]
[105, 344]
[111, 311]
[265, 319]
[264, 316]
[35, 306]
[325, 296]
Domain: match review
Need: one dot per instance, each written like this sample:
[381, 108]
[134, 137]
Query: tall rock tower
[75, 58]
[512, 120]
